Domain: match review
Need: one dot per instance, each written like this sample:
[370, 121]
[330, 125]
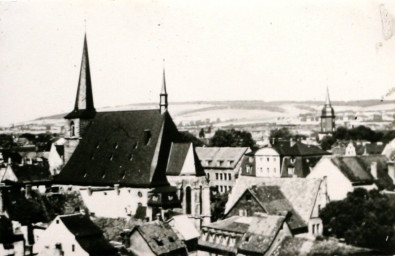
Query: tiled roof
[178, 154]
[358, 169]
[88, 235]
[301, 246]
[301, 165]
[130, 148]
[298, 149]
[274, 202]
[160, 237]
[257, 232]
[228, 156]
[300, 192]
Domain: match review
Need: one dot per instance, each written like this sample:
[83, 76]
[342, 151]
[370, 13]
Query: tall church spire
[328, 100]
[163, 104]
[84, 107]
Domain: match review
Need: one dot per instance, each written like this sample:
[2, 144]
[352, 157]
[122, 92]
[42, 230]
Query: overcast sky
[213, 50]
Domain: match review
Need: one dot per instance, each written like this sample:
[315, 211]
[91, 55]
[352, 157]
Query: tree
[201, 133]
[232, 138]
[218, 203]
[327, 142]
[189, 137]
[282, 133]
[364, 218]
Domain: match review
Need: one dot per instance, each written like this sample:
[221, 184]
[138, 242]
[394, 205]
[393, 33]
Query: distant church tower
[327, 116]
[163, 104]
[79, 119]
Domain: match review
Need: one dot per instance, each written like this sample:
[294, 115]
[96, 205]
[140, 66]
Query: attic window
[131, 157]
[247, 238]
[171, 198]
[92, 157]
[155, 198]
[97, 146]
[136, 145]
[171, 239]
[158, 241]
[116, 146]
[103, 176]
[57, 221]
[85, 174]
[112, 157]
[147, 137]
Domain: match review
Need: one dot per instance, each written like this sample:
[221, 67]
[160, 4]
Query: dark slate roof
[32, 173]
[161, 238]
[358, 169]
[301, 165]
[302, 246]
[14, 156]
[177, 159]
[114, 150]
[274, 202]
[284, 148]
[87, 234]
[374, 148]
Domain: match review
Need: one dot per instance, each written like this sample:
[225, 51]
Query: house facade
[73, 235]
[345, 173]
[222, 165]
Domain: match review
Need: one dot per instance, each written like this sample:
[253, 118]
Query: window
[251, 159]
[268, 159]
[57, 221]
[72, 247]
[319, 209]
[267, 170]
[229, 176]
[274, 159]
[216, 176]
[188, 194]
[225, 177]
[248, 169]
[72, 129]
[147, 137]
[242, 212]
[220, 176]
[140, 194]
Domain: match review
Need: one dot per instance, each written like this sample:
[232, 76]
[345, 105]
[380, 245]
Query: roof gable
[229, 156]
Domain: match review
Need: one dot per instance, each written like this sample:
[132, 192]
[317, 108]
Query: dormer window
[147, 137]
[136, 145]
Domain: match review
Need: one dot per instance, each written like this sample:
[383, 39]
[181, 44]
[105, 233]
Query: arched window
[188, 195]
[72, 129]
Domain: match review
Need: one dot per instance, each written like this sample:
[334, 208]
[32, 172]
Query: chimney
[9, 161]
[373, 170]
[391, 170]
[28, 191]
[89, 191]
[116, 187]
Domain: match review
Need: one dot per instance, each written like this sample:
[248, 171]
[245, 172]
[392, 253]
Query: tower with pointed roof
[79, 119]
[327, 116]
[163, 104]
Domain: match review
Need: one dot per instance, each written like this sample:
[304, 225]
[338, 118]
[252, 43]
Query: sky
[211, 50]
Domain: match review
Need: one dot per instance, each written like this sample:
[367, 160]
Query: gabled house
[154, 238]
[283, 159]
[345, 173]
[300, 199]
[222, 165]
[241, 235]
[76, 235]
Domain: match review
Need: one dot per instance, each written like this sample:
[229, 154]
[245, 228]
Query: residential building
[222, 165]
[241, 235]
[300, 199]
[185, 172]
[283, 159]
[354, 148]
[154, 238]
[345, 173]
[76, 235]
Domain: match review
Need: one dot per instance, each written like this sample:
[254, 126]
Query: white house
[73, 234]
[345, 173]
[267, 162]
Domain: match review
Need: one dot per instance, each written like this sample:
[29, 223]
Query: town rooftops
[301, 193]
[220, 157]
[284, 148]
[130, 148]
[28, 174]
[252, 234]
[161, 238]
[358, 169]
[178, 157]
[88, 235]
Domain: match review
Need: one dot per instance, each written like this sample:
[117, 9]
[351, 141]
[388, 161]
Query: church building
[119, 159]
[327, 116]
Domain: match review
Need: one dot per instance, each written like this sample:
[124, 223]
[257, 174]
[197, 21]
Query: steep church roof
[130, 148]
[84, 107]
